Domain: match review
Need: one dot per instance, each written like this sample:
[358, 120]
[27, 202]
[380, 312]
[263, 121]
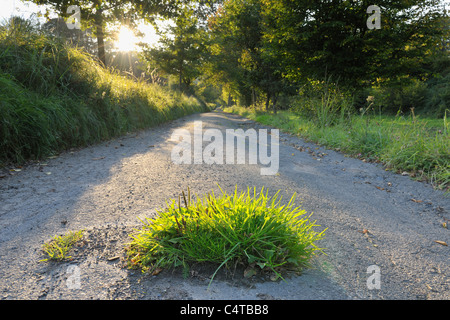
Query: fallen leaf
[249, 272]
[156, 271]
[100, 158]
[364, 231]
[417, 201]
[441, 242]
[379, 188]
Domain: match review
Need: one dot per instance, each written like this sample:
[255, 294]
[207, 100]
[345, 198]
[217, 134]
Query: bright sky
[26, 9]
[17, 8]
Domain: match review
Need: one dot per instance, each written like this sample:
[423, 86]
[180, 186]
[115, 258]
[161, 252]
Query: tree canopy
[97, 13]
[259, 50]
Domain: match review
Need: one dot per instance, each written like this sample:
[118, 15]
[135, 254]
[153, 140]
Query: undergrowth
[249, 228]
[54, 97]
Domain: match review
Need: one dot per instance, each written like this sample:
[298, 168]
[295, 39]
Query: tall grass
[403, 143]
[54, 96]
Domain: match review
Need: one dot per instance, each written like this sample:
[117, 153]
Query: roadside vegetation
[54, 96]
[248, 229]
[404, 143]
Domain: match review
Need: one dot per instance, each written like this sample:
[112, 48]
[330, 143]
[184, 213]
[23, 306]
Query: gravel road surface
[375, 220]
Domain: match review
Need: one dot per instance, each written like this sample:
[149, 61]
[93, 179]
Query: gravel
[372, 217]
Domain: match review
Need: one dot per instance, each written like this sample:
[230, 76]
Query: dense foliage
[262, 51]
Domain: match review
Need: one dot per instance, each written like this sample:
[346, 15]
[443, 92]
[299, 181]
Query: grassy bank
[54, 97]
[409, 143]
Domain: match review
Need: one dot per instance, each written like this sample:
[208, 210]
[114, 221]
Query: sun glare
[126, 41]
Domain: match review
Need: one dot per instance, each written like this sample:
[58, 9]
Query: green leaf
[268, 254]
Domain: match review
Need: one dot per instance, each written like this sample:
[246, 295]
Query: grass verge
[54, 97]
[418, 146]
[251, 229]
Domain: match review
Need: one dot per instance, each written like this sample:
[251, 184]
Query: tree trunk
[100, 36]
[267, 101]
[230, 100]
[253, 96]
[274, 105]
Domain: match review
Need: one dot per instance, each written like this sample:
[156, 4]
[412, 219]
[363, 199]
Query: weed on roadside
[59, 246]
[249, 228]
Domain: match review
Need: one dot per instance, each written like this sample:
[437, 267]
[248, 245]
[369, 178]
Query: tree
[78, 37]
[182, 49]
[314, 38]
[98, 13]
[239, 52]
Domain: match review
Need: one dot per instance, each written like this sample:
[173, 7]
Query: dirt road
[374, 219]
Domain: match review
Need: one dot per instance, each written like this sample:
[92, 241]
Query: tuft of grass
[248, 228]
[59, 246]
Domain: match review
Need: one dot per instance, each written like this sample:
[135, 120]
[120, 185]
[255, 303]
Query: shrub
[438, 95]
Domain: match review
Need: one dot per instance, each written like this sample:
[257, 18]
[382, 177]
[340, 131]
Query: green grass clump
[247, 228]
[59, 246]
